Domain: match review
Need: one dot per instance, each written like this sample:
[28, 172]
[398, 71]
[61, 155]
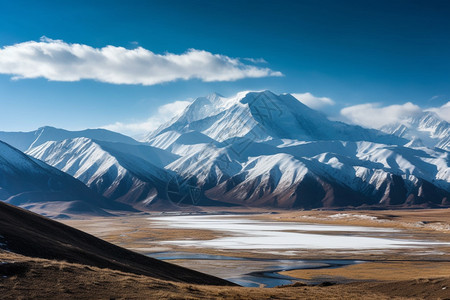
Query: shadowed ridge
[32, 235]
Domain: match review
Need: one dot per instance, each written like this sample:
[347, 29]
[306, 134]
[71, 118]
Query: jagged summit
[263, 149]
[264, 115]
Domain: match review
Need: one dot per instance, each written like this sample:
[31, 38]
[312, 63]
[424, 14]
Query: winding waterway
[252, 272]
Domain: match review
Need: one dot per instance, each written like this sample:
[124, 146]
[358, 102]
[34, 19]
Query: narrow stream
[250, 272]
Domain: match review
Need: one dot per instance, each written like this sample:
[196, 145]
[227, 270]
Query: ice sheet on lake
[258, 235]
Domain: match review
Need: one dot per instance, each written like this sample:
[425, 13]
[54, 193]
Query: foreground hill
[31, 235]
[32, 278]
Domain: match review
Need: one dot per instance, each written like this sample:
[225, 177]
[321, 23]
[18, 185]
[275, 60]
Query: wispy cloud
[314, 102]
[138, 129]
[60, 61]
[256, 60]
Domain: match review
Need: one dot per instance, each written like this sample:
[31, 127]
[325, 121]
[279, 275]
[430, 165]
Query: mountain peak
[263, 115]
[214, 96]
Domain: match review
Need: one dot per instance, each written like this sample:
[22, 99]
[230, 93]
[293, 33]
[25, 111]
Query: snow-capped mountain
[32, 184]
[132, 174]
[26, 140]
[314, 174]
[425, 129]
[262, 116]
[262, 149]
[257, 149]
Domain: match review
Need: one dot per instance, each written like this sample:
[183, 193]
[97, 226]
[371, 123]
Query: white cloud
[373, 115]
[314, 102]
[443, 112]
[60, 61]
[138, 129]
[256, 60]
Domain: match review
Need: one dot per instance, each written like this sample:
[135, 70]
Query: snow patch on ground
[265, 235]
[353, 216]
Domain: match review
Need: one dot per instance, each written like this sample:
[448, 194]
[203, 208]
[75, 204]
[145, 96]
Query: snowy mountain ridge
[27, 140]
[118, 171]
[32, 184]
[271, 150]
[426, 128]
[264, 116]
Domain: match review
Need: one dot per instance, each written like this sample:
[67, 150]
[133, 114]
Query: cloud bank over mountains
[374, 115]
[443, 112]
[57, 60]
[139, 129]
[167, 111]
[312, 101]
[371, 115]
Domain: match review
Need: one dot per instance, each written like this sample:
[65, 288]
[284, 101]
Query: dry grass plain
[406, 273]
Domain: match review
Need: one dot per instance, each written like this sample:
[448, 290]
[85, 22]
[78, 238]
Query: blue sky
[353, 52]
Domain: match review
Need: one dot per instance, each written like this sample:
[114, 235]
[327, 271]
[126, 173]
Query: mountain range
[121, 172]
[424, 129]
[31, 139]
[254, 149]
[35, 185]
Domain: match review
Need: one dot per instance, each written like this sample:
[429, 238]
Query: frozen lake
[242, 233]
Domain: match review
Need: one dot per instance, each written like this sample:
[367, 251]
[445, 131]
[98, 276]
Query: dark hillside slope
[32, 235]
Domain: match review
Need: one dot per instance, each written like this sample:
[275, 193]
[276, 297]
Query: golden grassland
[434, 221]
[379, 270]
